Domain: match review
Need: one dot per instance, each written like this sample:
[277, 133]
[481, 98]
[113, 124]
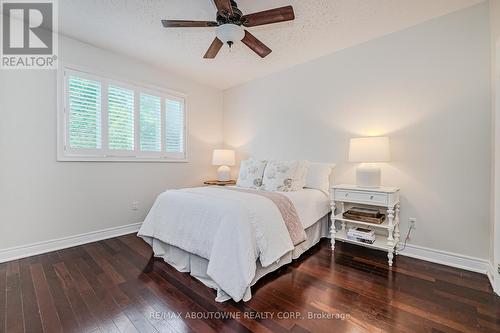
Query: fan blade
[224, 6]
[276, 15]
[213, 49]
[256, 45]
[187, 24]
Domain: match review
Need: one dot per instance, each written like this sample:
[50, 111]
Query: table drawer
[361, 197]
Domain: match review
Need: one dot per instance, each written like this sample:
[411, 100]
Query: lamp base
[368, 176]
[224, 173]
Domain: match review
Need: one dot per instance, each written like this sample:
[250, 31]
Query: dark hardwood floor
[107, 286]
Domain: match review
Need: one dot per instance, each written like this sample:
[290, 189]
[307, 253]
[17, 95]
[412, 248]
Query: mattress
[187, 262]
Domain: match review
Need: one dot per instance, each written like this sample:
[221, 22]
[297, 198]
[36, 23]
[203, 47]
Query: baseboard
[491, 276]
[24, 251]
[419, 252]
[447, 258]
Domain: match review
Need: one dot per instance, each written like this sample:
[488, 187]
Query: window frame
[66, 154]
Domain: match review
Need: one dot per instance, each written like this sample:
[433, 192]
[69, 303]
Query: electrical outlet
[135, 205]
[413, 222]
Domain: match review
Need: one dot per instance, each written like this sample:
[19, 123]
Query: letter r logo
[27, 27]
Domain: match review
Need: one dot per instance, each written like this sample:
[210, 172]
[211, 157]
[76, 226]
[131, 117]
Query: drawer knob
[371, 197]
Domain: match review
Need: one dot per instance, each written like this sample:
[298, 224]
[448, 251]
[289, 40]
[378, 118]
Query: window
[174, 133]
[120, 118]
[103, 119]
[150, 118]
[84, 113]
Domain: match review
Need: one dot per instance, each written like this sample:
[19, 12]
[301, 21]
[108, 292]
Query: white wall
[495, 89]
[427, 88]
[41, 199]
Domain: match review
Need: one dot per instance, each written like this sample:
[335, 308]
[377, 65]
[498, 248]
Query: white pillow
[251, 173]
[318, 176]
[301, 175]
[285, 176]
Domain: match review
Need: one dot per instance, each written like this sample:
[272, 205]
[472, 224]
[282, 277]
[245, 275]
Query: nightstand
[220, 182]
[387, 198]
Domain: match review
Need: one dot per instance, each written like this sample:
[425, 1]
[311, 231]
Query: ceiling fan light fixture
[230, 33]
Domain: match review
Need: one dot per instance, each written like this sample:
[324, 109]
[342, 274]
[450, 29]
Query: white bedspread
[231, 229]
[311, 205]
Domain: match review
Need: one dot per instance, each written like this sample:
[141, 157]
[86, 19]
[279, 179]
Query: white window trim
[64, 154]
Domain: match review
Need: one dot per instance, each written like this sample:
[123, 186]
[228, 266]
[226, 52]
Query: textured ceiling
[133, 27]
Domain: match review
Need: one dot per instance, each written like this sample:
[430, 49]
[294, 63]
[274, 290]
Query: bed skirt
[197, 266]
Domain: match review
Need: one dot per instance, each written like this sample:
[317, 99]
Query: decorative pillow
[318, 176]
[251, 173]
[285, 176]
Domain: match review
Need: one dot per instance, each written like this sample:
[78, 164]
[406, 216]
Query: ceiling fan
[229, 26]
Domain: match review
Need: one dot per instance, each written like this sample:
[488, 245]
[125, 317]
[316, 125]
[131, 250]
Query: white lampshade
[223, 157]
[229, 33]
[369, 150]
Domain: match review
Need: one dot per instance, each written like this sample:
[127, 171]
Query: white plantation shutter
[120, 118]
[109, 120]
[150, 123]
[174, 126]
[84, 113]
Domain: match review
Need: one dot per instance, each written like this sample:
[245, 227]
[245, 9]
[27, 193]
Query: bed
[229, 238]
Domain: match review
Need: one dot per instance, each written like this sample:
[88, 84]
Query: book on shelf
[362, 240]
[361, 233]
[369, 238]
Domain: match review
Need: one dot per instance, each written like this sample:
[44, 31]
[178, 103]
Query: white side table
[386, 197]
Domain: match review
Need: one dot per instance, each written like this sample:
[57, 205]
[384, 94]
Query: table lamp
[368, 151]
[224, 158]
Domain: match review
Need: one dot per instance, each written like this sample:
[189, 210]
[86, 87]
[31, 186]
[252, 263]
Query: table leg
[390, 237]
[397, 235]
[332, 227]
[342, 211]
